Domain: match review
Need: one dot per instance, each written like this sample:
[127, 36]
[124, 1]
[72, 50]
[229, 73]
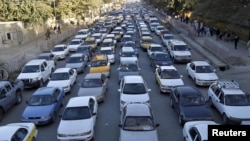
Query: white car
[60, 51]
[196, 130]
[18, 132]
[98, 37]
[78, 119]
[133, 89]
[168, 77]
[74, 44]
[158, 29]
[153, 48]
[138, 123]
[82, 34]
[166, 37]
[202, 73]
[109, 51]
[63, 77]
[230, 101]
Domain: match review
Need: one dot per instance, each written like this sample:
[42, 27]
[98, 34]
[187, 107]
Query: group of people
[56, 30]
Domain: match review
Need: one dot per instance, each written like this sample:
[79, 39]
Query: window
[8, 36]
[19, 135]
[8, 87]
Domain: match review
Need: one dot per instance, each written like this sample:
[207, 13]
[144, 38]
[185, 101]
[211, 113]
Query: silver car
[94, 84]
[138, 123]
[77, 61]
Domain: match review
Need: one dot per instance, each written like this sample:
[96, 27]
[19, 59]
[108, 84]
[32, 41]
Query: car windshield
[168, 37]
[81, 33]
[204, 69]
[156, 49]
[170, 74]
[130, 45]
[128, 54]
[147, 40]
[76, 113]
[89, 83]
[134, 88]
[237, 100]
[59, 76]
[193, 100]
[75, 60]
[180, 48]
[134, 123]
[125, 39]
[44, 57]
[107, 52]
[31, 69]
[89, 42]
[128, 67]
[40, 100]
[99, 63]
[58, 49]
[107, 44]
[162, 57]
[74, 42]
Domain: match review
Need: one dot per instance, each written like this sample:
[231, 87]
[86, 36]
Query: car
[133, 89]
[145, 42]
[168, 77]
[125, 38]
[48, 56]
[74, 44]
[165, 38]
[78, 119]
[82, 33]
[108, 43]
[202, 73]
[63, 77]
[127, 52]
[158, 59]
[153, 48]
[158, 29]
[94, 84]
[109, 52]
[117, 34]
[138, 123]
[230, 101]
[91, 41]
[61, 51]
[18, 132]
[189, 104]
[128, 66]
[100, 64]
[112, 37]
[98, 37]
[179, 51]
[77, 61]
[197, 130]
[133, 45]
[43, 105]
[153, 26]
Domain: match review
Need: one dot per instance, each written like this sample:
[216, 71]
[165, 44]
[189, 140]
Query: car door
[157, 75]
[104, 83]
[220, 102]
[72, 76]
[93, 109]
[45, 70]
[57, 99]
[192, 70]
[177, 100]
[6, 99]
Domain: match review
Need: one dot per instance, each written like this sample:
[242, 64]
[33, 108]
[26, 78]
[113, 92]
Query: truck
[10, 95]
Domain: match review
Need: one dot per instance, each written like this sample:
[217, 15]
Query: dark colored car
[86, 50]
[190, 104]
[160, 59]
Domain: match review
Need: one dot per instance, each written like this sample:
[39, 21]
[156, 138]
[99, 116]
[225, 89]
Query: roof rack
[229, 84]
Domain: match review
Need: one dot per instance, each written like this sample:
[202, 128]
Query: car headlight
[85, 133]
[45, 117]
[35, 79]
[123, 102]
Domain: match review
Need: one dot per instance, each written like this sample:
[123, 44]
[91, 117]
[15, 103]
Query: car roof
[106, 48]
[90, 39]
[96, 34]
[155, 45]
[76, 55]
[44, 91]
[8, 132]
[138, 109]
[61, 70]
[188, 90]
[133, 79]
[92, 75]
[177, 42]
[168, 67]
[99, 57]
[60, 45]
[76, 39]
[79, 101]
[201, 63]
[35, 61]
[146, 37]
[230, 87]
[127, 49]
[84, 29]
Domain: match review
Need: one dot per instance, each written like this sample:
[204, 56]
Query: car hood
[206, 76]
[28, 75]
[74, 126]
[197, 112]
[58, 53]
[242, 112]
[37, 111]
[90, 91]
[138, 135]
[138, 98]
[74, 65]
[73, 46]
[172, 82]
[59, 83]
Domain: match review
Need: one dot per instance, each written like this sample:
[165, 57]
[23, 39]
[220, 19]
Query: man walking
[236, 40]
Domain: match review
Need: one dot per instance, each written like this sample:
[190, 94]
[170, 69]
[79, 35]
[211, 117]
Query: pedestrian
[236, 40]
[55, 29]
[59, 29]
[248, 45]
[47, 34]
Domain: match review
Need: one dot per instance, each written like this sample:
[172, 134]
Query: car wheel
[1, 114]
[41, 83]
[63, 102]
[210, 103]
[53, 118]
[18, 97]
[181, 122]
[171, 103]
[224, 119]
[188, 74]
[33, 139]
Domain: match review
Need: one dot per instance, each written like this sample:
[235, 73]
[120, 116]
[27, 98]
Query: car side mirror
[181, 76]
[93, 114]
[120, 125]
[157, 125]
[119, 90]
[139, 68]
[118, 68]
[149, 90]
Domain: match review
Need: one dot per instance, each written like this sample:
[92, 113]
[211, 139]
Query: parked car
[167, 77]
[94, 84]
[43, 106]
[63, 77]
[202, 73]
[77, 61]
[78, 119]
[18, 132]
[189, 104]
[133, 89]
[138, 123]
[230, 101]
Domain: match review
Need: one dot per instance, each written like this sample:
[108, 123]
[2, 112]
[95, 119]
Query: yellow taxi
[108, 43]
[100, 64]
[118, 35]
[145, 42]
[92, 42]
